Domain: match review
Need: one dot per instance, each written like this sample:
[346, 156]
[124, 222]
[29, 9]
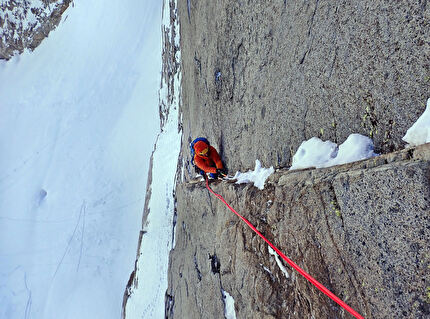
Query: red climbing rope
[289, 261]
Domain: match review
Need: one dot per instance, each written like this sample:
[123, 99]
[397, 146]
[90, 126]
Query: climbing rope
[289, 261]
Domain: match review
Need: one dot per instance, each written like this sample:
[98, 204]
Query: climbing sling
[289, 261]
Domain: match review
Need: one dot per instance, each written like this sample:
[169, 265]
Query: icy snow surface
[147, 300]
[316, 153]
[79, 118]
[419, 133]
[229, 311]
[258, 176]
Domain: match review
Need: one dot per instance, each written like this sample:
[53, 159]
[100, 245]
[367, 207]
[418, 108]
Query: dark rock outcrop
[24, 25]
[361, 229]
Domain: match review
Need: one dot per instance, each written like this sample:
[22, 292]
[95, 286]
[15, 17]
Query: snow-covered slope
[145, 297]
[79, 117]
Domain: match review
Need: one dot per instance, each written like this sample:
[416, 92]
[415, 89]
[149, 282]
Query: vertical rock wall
[260, 77]
[361, 229]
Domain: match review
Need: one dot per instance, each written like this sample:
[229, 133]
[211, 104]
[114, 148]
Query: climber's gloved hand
[221, 172]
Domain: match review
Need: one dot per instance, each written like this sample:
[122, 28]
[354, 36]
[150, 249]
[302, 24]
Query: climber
[206, 159]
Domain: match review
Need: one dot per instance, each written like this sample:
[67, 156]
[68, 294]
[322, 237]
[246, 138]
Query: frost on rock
[316, 153]
[419, 132]
[258, 176]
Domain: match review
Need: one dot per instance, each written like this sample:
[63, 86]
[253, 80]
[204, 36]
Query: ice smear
[419, 132]
[258, 176]
[278, 261]
[316, 153]
[229, 312]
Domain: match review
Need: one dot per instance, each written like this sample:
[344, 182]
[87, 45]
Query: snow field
[77, 126]
[79, 117]
[148, 299]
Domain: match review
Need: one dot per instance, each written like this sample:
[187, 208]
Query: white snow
[229, 311]
[316, 153]
[419, 132]
[278, 261]
[79, 118]
[258, 176]
[147, 300]
[266, 269]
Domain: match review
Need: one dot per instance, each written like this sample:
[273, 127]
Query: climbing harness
[289, 261]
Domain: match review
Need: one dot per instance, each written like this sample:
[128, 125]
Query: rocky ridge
[25, 23]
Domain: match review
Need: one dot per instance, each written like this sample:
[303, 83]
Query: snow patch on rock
[278, 261]
[258, 176]
[317, 153]
[419, 132]
[229, 312]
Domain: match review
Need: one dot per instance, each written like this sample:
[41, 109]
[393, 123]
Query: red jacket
[210, 163]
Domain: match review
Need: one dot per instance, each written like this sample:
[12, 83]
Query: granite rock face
[260, 77]
[361, 229]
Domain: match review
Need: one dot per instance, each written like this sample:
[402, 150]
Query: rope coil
[289, 261]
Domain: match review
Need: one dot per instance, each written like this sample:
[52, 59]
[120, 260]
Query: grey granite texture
[361, 229]
[260, 77]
